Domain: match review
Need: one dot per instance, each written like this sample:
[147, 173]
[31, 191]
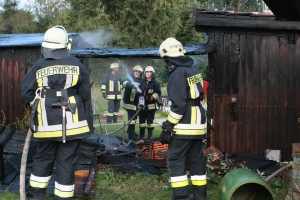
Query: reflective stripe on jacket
[151, 88]
[130, 97]
[111, 85]
[58, 74]
[185, 85]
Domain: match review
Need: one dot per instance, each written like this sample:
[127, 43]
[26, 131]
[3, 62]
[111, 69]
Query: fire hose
[23, 165]
[126, 122]
[141, 105]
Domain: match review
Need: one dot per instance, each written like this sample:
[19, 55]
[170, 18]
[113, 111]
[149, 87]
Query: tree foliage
[13, 20]
[128, 23]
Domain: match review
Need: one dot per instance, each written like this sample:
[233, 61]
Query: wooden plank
[282, 94]
[249, 94]
[241, 134]
[272, 132]
[296, 87]
[257, 93]
[263, 87]
[10, 90]
[272, 92]
[219, 91]
[89, 183]
[227, 120]
[289, 98]
[211, 89]
[129, 160]
[234, 70]
[4, 88]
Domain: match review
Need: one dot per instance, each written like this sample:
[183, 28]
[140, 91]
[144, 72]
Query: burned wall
[256, 99]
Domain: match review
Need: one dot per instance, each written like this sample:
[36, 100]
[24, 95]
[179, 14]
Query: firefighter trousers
[186, 154]
[65, 156]
[146, 115]
[113, 110]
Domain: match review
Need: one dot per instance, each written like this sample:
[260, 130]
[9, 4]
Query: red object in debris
[205, 87]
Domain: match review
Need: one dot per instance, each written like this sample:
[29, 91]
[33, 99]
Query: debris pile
[151, 149]
[11, 147]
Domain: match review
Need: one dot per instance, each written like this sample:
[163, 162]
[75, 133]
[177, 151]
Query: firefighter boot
[150, 131]
[109, 119]
[142, 132]
[131, 134]
[115, 119]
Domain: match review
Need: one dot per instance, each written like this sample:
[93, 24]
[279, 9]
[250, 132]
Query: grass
[113, 183]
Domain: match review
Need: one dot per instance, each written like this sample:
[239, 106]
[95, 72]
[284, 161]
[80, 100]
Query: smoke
[125, 67]
[98, 38]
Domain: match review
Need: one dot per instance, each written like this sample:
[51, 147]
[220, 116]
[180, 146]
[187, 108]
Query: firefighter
[111, 90]
[56, 76]
[185, 126]
[130, 98]
[151, 91]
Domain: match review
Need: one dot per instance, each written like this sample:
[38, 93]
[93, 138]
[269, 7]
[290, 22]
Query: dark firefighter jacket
[130, 97]
[151, 90]
[58, 74]
[185, 92]
[111, 85]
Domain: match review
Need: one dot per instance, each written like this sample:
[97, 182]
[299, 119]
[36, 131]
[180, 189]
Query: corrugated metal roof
[34, 39]
[195, 49]
[81, 48]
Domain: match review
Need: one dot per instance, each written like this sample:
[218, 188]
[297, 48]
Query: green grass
[109, 128]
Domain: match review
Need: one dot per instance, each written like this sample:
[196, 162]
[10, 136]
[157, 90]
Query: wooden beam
[207, 21]
[131, 160]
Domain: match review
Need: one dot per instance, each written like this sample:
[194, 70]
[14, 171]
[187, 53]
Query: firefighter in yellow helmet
[185, 126]
[151, 91]
[130, 98]
[56, 79]
[111, 90]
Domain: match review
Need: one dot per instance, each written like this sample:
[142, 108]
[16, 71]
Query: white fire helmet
[171, 48]
[149, 69]
[55, 38]
[114, 65]
[138, 68]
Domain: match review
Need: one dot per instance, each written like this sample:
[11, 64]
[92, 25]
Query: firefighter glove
[104, 95]
[168, 126]
[165, 137]
[147, 98]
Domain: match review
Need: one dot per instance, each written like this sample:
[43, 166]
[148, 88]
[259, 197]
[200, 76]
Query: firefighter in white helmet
[185, 126]
[52, 78]
[111, 90]
[130, 98]
[151, 91]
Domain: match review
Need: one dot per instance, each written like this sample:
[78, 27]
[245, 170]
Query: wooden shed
[18, 52]
[254, 101]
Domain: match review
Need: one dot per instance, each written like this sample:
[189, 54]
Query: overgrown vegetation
[21, 124]
[3, 120]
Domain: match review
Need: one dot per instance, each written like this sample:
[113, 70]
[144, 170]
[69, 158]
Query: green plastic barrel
[241, 184]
